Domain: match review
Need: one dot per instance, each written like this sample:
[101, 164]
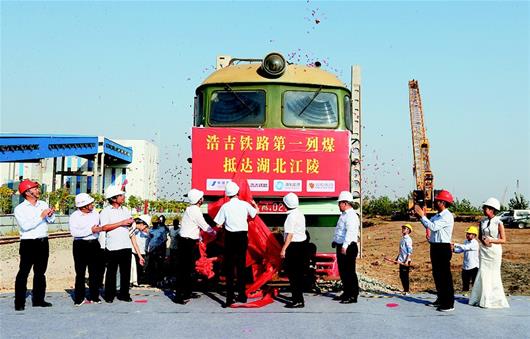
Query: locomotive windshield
[245, 108]
[310, 109]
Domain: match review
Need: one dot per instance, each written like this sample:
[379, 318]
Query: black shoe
[193, 295]
[19, 308]
[241, 299]
[435, 303]
[180, 301]
[42, 304]
[338, 297]
[228, 303]
[349, 301]
[295, 305]
[109, 301]
[445, 309]
[126, 299]
[97, 301]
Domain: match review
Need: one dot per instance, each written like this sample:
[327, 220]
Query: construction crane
[423, 195]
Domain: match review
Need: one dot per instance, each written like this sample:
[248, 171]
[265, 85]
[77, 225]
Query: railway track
[10, 240]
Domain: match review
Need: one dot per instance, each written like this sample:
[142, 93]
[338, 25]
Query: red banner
[311, 163]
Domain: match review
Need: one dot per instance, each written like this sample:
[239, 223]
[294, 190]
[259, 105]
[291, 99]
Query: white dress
[488, 291]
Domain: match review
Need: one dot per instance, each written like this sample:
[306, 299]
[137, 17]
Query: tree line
[384, 206]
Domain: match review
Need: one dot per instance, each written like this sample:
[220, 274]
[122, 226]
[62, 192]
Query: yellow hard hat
[409, 226]
[472, 230]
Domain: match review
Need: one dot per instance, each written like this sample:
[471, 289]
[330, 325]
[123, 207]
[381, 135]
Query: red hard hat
[444, 196]
[26, 185]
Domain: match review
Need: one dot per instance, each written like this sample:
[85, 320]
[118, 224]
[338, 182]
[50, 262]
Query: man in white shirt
[441, 228]
[233, 215]
[115, 220]
[84, 227]
[33, 216]
[294, 249]
[345, 241]
[191, 224]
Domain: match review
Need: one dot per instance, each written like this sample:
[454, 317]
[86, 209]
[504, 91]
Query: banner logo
[320, 186]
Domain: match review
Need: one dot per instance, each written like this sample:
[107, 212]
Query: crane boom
[420, 147]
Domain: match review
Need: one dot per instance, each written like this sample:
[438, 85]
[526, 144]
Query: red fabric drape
[263, 252]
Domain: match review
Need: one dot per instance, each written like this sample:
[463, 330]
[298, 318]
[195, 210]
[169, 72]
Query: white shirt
[118, 238]
[141, 239]
[233, 214]
[31, 225]
[441, 226]
[191, 221]
[490, 227]
[102, 239]
[347, 229]
[81, 225]
[470, 249]
[295, 224]
[405, 248]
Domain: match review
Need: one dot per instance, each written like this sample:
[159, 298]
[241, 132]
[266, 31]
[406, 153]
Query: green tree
[378, 206]
[518, 202]
[464, 207]
[134, 202]
[401, 205]
[5, 199]
[99, 199]
[62, 200]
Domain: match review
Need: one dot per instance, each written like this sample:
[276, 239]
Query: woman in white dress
[488, 291]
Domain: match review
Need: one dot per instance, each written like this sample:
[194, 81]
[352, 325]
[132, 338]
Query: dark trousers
[101, 264]
[468, 276]
[155, 265]
[122, 259]
[296, 260]
[441, 272]
[404, 277]
[186, 253]
[140, 270]
[173, 255]
[235, 256]
[348, 275]
[33, 253]
[85, 255]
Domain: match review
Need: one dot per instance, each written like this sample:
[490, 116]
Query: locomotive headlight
[274, 64]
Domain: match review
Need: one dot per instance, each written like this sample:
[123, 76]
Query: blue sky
[130, 69]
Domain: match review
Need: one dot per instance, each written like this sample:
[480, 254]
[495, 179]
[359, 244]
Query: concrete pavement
[153, 315]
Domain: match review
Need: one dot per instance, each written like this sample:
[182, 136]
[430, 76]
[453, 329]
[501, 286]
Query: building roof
[32, 147]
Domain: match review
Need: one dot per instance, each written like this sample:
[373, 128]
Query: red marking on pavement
[141, 301]
[392, 305]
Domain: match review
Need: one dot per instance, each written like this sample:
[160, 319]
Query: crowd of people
[112, 240]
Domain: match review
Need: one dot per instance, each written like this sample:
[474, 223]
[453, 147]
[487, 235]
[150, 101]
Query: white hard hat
[345, 196]
[492, 202]
[231, 189]
[83, 199]
[113, 191]
[291, 200]
[195, 195]
[146, 219]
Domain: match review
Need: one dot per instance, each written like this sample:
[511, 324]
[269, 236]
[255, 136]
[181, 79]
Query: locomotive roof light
[274, 64]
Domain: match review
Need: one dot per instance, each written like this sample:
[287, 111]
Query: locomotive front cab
[271, 94]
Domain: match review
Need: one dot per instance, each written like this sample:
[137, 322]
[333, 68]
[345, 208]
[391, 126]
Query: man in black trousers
[441, 229]
[33, 216]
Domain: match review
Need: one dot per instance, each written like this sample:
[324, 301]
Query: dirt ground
[380, 240]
